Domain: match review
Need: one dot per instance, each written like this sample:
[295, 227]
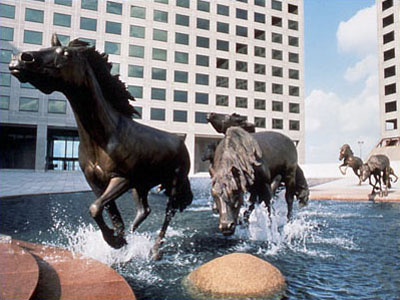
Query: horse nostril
[27, 57]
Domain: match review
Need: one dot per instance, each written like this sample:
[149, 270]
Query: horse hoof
[156, 254]
[116, 242]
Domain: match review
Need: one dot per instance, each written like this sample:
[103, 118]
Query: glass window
[137, 31]
[202, 60]
[259, 122]
[294, 25]
[241, 84]
[91, 42]
[113, 27]
[241, 31]
[293, 9]
[160, 35]
[158, 94]
[277, 88]
[6, 33]
[222, 27]
[63, 2]
[277, 71]
[180, 96]
[390, 107]
[202, 79]
[259, 2]
[294, 90]
[390, 89]
[390, 71]
[139, 110]
[222, 81]
[241, 66]
[5, 79]
[158, 74]
[88, 24]
[157, 114]
[388, 37]
[26, 85]
[4, 102]
[241, 48]
[161, 1]
[388, 20]
[293, 41]
[114, 69]
[114, 8]
[294, 74]
[135, 71]
[259, 86]
[112, 48]
[203, 5]
[33, 37]
[34, 15]
[57, 106]
[275, 21]
[259, 69]
[241, 102]
[259, 104]
[222, 10]
[28, 104]
[181, 76]
[181, 38]
[276, 38]
[260, 18]
[294, 108]
[222, 45]
[222, 63]
[277, 123]
[277, 54]
[391, 124]
[202, 42]
[136, 51]
[7, 11]
[62, 20]
[89, 4]
[201, 98]
[203, 24]
[159, 54]
[293, 57]
[388, 54]
[183, 3]
[259, 51]
[181, 57]
[64, 39]
[200, 117]
[5, 56]
[222, 100]
[182, 20]
[259, 34]
[241, 14]
[277, 5]
[294, 125]
[160, 16]
[138, 12]
[180, 116]
[136, 91]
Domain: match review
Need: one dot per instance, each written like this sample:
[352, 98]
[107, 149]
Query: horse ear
[55, 42]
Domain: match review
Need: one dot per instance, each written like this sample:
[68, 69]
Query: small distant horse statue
[254, 163]
[115, 153]
[349, 160]
[379, 167]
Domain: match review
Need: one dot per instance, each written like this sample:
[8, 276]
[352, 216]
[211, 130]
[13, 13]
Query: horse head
[345, 151]
[221, 122]
[365, 172]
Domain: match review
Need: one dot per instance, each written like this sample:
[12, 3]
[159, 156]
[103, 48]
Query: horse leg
[340, 168]
[290, 184]
[155, 251]
[115, 217]
[116, 187]
[142, 208]
[247, 213]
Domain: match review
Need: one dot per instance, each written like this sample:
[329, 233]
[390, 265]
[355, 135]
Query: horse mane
[235, 158]
[348, 149]
[113, 89]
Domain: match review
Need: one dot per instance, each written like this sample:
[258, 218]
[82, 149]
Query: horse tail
[240, 152]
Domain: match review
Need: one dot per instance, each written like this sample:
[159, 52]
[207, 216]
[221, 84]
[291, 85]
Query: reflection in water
[329, 250]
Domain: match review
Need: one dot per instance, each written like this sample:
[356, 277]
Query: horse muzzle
[228, 228]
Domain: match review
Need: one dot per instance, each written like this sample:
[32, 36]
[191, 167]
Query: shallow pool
[330, 250]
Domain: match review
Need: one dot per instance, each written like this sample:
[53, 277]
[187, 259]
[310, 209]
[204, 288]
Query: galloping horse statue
[349, 160]
[254, 163]
[116, 153]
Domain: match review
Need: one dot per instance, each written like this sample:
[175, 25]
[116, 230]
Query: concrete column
[190, 144]
[41, 147]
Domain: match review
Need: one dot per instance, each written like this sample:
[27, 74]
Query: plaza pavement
[325, 180]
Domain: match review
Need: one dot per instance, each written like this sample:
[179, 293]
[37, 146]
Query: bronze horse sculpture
[254, 163]
[349, 160]
[116, 153]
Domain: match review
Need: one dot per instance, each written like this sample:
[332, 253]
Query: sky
[341, 78]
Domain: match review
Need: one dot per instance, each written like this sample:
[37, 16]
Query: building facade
[180, 59]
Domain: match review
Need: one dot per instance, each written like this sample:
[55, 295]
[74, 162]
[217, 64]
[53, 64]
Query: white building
[180, 59]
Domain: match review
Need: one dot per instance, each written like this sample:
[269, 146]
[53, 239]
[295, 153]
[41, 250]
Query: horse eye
[67, 53]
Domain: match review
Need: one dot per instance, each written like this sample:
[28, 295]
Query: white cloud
[358, 35]
[362, 69]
